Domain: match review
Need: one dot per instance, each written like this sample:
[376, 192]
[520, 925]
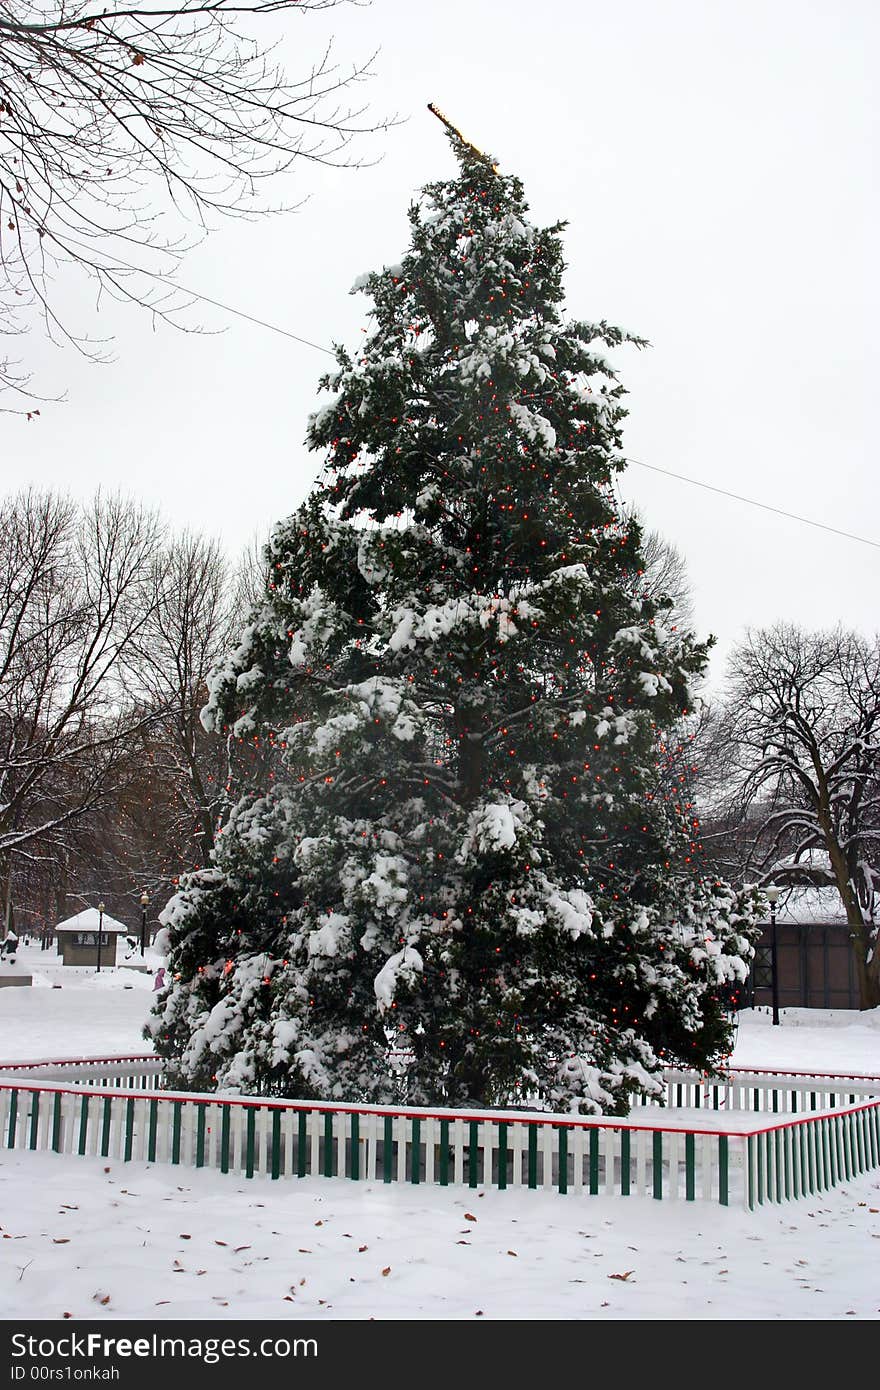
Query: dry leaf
[512, 1252]
[239, 1248]
[288, 1299]
[361, 1249]
[319, 1223]
[67, 1315]
[303, 1251]
[462, 1242]
[184, 1236]
[469, 1216]
[220, 1242]
[56, 1240]
[156, 1305]
[386, 1270]
[105, 1300]
[478, 1313]
[625, 1274]
[301, 1282]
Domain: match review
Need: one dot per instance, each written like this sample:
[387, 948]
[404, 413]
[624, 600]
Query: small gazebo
[78, 938]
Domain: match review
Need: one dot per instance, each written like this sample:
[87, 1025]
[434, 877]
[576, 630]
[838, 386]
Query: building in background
[78, 938]
[815, 959]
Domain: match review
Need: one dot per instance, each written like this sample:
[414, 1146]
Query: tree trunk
[862, 935]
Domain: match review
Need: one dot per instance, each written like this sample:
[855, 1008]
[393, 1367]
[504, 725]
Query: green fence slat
[301, 1144]
[151, 1131]
[562, 1174]
[594, 1162]
[387, 1172]
[327, 1169]
[225, 1126]
[83, 1123]
[533, 1156]
[625, 1138]
[201, 1118]
[690, 1168]
[105, 1127]
[176, 1117]
[502, 1155]
[129, 1129]
[13, 1116]
[473, 1153]
[415, 1150]
[56, 1123]
[786, 1162]
[750, 1171]
[35, 1120]
[444, 1153]
[276, 1144]
[250, 1140]
[355, 1170]
[723, 1194]
[657, 1142]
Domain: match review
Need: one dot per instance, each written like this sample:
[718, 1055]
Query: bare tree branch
[117, 123]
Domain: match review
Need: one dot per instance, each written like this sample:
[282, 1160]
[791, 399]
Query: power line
[765, 506]
[680, 477]
[217, 303]
[251, 318]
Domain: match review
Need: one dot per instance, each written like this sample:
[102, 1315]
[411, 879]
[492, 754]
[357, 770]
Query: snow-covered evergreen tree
[466, 847]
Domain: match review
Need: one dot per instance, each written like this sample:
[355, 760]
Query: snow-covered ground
[98, 1239]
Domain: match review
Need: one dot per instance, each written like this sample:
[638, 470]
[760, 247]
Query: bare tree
[665, 573]
[73, 595]
[113, 116]
[801, 720]
[190, 625]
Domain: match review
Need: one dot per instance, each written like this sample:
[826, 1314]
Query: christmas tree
[465, 859]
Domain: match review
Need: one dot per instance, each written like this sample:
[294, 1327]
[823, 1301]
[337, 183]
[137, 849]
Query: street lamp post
[100, 931]
[145, 898]
[773, 897]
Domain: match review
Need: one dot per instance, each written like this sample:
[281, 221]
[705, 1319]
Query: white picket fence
[729, 1153]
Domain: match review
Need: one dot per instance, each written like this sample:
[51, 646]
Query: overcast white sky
[716, 162]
